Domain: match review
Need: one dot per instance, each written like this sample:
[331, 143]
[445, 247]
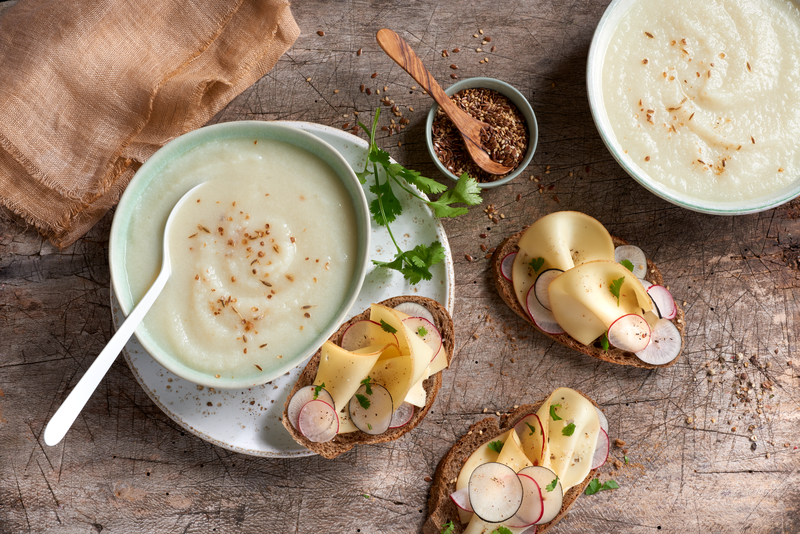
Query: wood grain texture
[126, 467]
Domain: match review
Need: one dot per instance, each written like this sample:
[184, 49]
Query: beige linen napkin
[90, 89]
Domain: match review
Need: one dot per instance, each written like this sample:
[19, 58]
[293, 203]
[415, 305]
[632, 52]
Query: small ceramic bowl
[614, 13]
[514, 96]
[132, 203]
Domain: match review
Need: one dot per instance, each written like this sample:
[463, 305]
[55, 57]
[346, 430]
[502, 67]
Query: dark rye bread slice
[614, 355]
[344, 442]
[441, 507]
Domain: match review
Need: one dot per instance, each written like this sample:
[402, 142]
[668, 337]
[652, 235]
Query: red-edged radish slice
[402, 415]
[495, 492]
[603, 420]
[541, 317]
[364, 334]
[461, 498]
[630, 332]
[645, 284]
[554, 498]
[663, 299]
[412, 309]
[665, 344]
[635, 255]
[318, 421]
[530, 530]
[507, 265]
[601, 449]
[524, 431]
[542, 285]
[532, 508]
[303, 396]
[371, 412]
[432, 338]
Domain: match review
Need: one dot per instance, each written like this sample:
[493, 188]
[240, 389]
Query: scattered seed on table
[361, 87]
[374, 75]
[359, 52]
[493, 48]
[489, 39]
[454, 76]
[445, 54]
[335, 91]
[468, 257]
[478, 50]
[480, 32]
[454, 66]
[456, 50]
[320, 33]
[475, 35]
[308, 79]
[369, 91]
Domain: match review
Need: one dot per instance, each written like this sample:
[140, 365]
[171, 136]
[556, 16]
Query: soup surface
[705, 96]
[262, 255]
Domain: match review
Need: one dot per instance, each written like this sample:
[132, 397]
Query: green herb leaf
[568, 430]
[533, 428]
[367, 383]
[415, 264]
[422, 332]
[363, 400]
[595, 486]
[627, 264]
[317, 389]
[615, 286]
[552, 485]
[604, 342]
[387, 328]
[496, 446]
[626, 459]
[553, 415]
[536, 264]
[386, 197]
[501, 530]
[426, 185]
[609, 485]
[448, 528]
[369, 426]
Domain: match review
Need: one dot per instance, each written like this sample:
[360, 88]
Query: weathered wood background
[703, 458]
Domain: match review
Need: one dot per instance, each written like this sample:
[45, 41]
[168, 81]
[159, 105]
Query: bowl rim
[232, 130]
[510, 92]
[594, 89]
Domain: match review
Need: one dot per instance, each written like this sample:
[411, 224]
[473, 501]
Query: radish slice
[301, 398]
[663, 299]
[630, 332]
[542, 317]
[402, 415]
[603, 420]
[461, 498]
[523, 431]
[318, 421]
[507, 265]
[542, 285]
[601, 449]
[645, 284]
[495, 492]
[532, 508]
[665, 344]
[364, 334]
[554, 498]
[635, 255]
[531, 530]
[371, 412]
[412, 309]
[432, 338]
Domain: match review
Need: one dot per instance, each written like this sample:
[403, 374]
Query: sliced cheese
[410, 344]
[417, 395]
[534, 441]
[345, 423]
[393, 371]
[479, 526]
[584, 306]
[482, 455]
[563, 239]
[342, 372]
[439, 363]
[512, 454]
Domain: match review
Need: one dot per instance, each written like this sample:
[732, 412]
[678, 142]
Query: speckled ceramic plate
[248, 420]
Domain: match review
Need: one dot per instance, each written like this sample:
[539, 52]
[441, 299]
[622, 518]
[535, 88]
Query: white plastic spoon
[62, 420]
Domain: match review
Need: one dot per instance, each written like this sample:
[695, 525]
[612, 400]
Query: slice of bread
[441, 507]
[344, 442]
[614, 355]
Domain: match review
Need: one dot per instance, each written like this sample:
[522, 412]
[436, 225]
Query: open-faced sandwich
[522, 472]
[374, 379]
[589, 291]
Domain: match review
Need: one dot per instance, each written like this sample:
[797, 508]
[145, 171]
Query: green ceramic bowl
[149, 173]
[509, 92]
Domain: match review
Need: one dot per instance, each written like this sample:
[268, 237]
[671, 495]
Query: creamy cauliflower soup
[704, 96]
[262, 255]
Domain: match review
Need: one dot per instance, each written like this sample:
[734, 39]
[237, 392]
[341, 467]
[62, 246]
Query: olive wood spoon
[469, 127]
[66, 414]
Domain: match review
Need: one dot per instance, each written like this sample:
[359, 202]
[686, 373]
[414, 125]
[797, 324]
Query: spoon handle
[62, 420]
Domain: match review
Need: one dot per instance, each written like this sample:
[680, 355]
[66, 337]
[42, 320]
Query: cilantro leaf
[609, 485]
[369, 426]
[595, 486]
[568, 430]
[501, 530]
[421, 332]
[496, 446]
[553, 415]
[376, 155]
[387, 327]
[366, 382]
[415, 264]
[604, 342]
[317, 389]
[363, 400]
[386, 198]
[626, 459]
[533, 428]
[466, 191]
[552, 485]
[426, 185]
[448, 528]
[615, 286]
[536, 264]
[627, 264]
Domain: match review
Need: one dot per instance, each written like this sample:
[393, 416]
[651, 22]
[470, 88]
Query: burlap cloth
[89, 89]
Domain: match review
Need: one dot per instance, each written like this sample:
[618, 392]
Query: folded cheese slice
[342, 371]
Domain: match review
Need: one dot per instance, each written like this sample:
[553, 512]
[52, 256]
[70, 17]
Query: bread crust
[442, 509]
[614, 355]
[344, 442]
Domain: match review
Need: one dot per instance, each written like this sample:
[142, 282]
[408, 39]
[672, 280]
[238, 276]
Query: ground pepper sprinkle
[506, 141]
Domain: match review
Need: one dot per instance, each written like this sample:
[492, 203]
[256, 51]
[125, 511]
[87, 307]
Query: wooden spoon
[469, 127]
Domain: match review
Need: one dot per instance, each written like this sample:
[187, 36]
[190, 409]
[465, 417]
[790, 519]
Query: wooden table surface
[703, 458]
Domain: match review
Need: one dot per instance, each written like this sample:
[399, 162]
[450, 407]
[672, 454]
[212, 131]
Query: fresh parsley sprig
[368, 385]
[552, 485]
[448, 528]
[553, 415]
[387, 327]
[363, 400]
[568, 430]
[496, 446]
[615, 287]
[414, 264]
[595, 486]
[628, 264]
[533, 428]
[536, 264]
[501, 530]
[317, 389]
